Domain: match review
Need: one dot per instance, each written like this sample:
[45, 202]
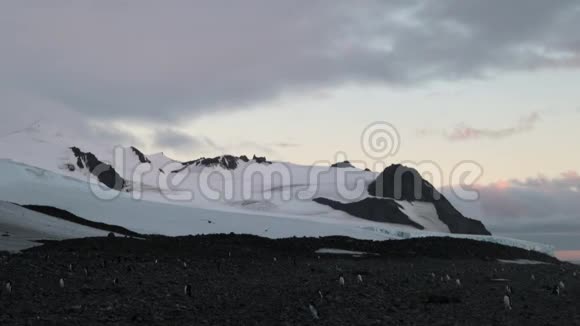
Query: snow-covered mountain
[152, 193]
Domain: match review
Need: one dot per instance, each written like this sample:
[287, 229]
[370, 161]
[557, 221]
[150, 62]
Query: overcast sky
[491, 81]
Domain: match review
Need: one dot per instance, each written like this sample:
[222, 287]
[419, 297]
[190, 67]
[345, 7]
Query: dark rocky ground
[244, 280]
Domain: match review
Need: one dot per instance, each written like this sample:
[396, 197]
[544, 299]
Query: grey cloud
[175, 139]
[144, 59]
[538, 198]
[111, 135]
[213, 145]
[537, 209]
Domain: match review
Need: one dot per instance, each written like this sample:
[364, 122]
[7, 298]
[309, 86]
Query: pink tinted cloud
[538, 197]
[573, 255]
[464, 132]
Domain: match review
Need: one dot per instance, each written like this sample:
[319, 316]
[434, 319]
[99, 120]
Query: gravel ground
[244, 280]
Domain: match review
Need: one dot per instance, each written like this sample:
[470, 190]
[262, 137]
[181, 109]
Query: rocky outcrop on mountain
[261, 159]
[103, 171]
[374, 209]
[345, 164]
[404, 183]
[140, 155]
[228, 162]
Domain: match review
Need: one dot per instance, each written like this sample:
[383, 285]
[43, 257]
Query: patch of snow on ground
[20, 228]
[333, 251]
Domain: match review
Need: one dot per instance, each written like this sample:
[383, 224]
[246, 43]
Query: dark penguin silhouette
[556, 290]
[9, 287]
[187, 290]
[313, 311]
[509, 290]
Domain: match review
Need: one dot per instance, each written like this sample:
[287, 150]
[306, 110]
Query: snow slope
[20, 228]
[278, 189]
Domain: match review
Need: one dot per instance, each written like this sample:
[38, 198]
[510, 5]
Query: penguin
[507, 302]
[433, 275]
[70, 268]
[556, 290]
[508, 289]
[447, 278]
[187, 290]
[155, 261]
[313, 311]
[61, 283]
[341, 280]
[116, 281]
[184, 264]
[9, 287]
[275, 260]
[458, 282]
[561, 285]
[533, 277]
[86, 271]
[320, 294]
[359, 278]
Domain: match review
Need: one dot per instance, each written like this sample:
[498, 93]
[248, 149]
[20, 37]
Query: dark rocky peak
[140, 155]
[228, 162]
[345, 164]
[105, 173]
[260, 159]
[403, 183]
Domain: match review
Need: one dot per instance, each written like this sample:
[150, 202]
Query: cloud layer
[539, 209]
[151, 60]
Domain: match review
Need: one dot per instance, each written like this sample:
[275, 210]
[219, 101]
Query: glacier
[26, 184]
